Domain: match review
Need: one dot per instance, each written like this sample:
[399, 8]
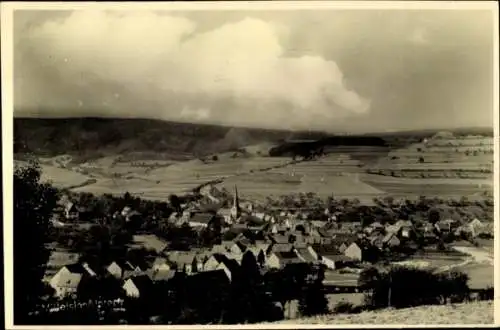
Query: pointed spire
[235, 210]
[236, 202]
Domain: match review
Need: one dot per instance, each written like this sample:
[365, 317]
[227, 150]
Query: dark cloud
[329, 69]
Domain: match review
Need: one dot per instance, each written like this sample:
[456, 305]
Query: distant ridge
[97, 136]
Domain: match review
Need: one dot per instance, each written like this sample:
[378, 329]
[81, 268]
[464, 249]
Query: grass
[467, 313]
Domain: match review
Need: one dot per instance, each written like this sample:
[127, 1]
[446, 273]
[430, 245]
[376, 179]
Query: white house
[138, 286]
[67, 280]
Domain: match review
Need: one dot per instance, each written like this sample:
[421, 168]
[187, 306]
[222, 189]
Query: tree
[34, 203]
[313, 300]
[175, 202]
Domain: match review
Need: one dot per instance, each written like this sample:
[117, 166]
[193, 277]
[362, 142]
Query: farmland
[152, 159]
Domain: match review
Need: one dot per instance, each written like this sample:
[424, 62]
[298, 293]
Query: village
[274, 239]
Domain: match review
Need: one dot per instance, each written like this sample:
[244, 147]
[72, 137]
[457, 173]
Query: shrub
[345, 307]
[407, 287]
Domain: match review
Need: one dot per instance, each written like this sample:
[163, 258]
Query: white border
[7, 118]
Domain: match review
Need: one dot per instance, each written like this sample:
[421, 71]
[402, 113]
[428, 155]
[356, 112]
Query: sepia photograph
[266, 164]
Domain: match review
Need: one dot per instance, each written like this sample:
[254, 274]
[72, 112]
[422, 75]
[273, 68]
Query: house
[160, 263]
[280, 239]
[307, 254]
[334, 261]
[202, 220]
[138, 286]
[475, 227]
[285, 247]
[237, 248]
[333, 278]
[71, 211]
[122, 269]
[68, 279]
[391, 240]
[220, 262]
[376, 240]
[281, 259]
[318, 223]
[354, 251]
[160, 275]
[187, 261]
[149, 242]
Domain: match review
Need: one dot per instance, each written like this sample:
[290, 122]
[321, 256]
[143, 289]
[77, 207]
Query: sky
[329, 70]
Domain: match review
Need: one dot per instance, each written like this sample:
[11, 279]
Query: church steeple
[235, 210]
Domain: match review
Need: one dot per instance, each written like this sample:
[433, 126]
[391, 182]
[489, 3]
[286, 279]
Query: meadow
[466, 313]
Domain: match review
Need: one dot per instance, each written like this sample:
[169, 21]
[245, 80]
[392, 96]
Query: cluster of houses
[274, 241]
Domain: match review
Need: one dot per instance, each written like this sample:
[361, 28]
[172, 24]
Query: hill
[469, 313]
[90, 138]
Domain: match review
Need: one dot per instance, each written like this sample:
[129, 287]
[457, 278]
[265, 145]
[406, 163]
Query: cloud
[236, 73]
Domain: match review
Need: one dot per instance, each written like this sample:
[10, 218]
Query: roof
[388, 237]
[219, 248]
[77, 268]
[306, 255]
[326, 250]
[280, 239]
[345, 238]
[288, 257]
[202, 218]
[181, 258]
[251, 219]
[160, 275]
[159, 261]
[62, 258]
[337, 257]
[67, 280]
[142, 282]
[282, 247]
[392, 228]
[125, 265]
[318, 223]
[404, 223]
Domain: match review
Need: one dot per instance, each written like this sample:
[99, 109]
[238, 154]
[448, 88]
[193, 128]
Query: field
[441, 165]
[468, 313]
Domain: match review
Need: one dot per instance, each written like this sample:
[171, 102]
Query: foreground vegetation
[466, 313]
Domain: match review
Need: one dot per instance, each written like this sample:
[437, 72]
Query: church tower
[235, 209]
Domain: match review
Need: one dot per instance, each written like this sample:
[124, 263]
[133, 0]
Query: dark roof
[347, 238]
[202, 217]
[76, 268]
[252, 220]
[337, 257]
[281, 247]
[289, 257]
[142, 282]
[326, 249]
[124, 265]
[280, 239]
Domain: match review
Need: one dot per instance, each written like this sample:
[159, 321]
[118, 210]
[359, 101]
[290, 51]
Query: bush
[345, 307]
[402, 287]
